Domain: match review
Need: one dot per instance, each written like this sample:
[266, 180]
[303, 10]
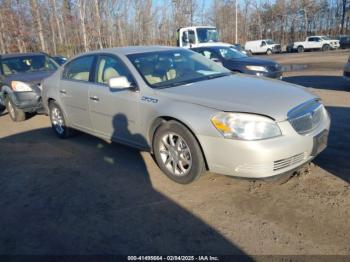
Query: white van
[264, 46]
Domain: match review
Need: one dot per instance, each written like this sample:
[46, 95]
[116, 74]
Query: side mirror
[120, 82]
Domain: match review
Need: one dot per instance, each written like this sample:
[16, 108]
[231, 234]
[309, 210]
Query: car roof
[21, 54]
[128, 50]
[210, 47]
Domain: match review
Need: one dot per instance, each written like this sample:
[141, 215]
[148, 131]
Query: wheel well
[50, 100]
[163, 119]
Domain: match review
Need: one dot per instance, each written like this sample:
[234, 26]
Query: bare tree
[37, 18]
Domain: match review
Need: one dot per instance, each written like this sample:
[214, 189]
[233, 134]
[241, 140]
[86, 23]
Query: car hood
[241, 93]
[30, 77]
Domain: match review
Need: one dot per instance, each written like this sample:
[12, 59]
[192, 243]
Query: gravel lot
[86, 196]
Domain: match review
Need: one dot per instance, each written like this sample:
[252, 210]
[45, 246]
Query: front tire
[178, 153]
[300, 49]
[58, 121]
[16, 114]
[269, 52]
[325, 48]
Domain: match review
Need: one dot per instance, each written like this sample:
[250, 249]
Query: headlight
[245, 126]
[19, 86]
[257, 68]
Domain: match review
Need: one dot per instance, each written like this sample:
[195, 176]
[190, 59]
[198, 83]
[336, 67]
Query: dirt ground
[85, 196]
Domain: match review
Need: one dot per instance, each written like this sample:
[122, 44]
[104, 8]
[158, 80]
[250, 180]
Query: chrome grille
[286, 162]
[306, 117]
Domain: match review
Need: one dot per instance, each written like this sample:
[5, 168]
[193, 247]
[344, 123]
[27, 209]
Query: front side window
[175, 67]
[110, 67]
[270, 42]
[79, 69]
[27, 64]
[191, 36]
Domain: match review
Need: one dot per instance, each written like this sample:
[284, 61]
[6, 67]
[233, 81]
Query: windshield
[26, 64]
[270, 42]
[175, 67]
[206, 35]
[230, 53]
[325, 38]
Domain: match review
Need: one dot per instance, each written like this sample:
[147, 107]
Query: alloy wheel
[57, 120]
[175, 154]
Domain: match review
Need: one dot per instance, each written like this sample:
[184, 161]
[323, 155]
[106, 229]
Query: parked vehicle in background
[191, 113]
[323, 43]
[344, 41]
[238, 62]
[197, 36]
[264, 46]
[239, 48]
[347, 70]
[333, 42]
[59, 59]
[20, 82]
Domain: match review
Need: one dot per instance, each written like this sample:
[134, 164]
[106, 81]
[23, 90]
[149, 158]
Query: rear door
[114, 112]
[74, 90]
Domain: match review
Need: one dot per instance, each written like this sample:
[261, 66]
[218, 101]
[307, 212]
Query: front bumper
[335, 46]
[28, 101]
[274, 74]
[264, 158]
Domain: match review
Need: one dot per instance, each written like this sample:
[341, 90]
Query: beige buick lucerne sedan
[192, 114]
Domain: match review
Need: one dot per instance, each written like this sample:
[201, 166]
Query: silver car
[192, 114]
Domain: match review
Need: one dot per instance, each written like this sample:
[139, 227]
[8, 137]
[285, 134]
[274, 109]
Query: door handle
[63, 91]
[94, 98]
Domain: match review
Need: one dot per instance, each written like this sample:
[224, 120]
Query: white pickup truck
[323, 43]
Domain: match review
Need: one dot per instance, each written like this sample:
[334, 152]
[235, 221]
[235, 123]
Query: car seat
[146, 68]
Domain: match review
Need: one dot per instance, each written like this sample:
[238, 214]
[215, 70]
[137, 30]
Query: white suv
[323, 43]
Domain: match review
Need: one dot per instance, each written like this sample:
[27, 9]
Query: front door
[114, 112]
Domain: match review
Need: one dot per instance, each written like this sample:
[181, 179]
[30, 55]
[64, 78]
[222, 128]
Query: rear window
[27, 64]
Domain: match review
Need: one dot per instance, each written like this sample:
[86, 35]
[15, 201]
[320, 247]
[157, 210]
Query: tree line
[68, 27]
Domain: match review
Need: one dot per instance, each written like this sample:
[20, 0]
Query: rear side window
[79, 69]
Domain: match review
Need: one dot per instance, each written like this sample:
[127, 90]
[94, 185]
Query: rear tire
[178, 153]
[300, 49]
[58, 121]
[249, 52]
[16, 114]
